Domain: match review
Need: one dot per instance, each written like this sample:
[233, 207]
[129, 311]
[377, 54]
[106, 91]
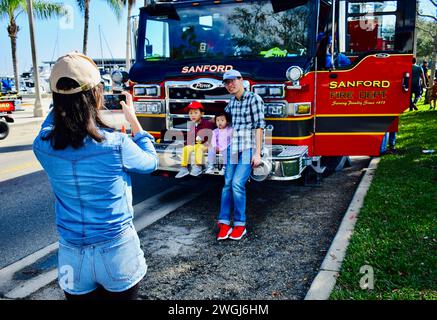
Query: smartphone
[112, 101]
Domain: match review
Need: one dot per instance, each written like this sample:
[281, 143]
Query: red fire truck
[334, 75]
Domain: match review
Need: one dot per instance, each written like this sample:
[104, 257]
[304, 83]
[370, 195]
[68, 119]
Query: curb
[325, 280]
[7, 273]
[26, 289]
[27, 122]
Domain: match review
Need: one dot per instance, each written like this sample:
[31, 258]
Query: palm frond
[81, 5]
[8, 7]
[116, 6]
[45, 10]
[3, 11]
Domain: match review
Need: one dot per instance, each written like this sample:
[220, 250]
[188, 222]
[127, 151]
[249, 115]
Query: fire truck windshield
[255, 29]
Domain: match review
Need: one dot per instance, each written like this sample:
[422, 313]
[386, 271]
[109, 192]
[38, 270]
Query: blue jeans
[389, 137]
[416, 90]
[392, 139]
[234, 191]
[117, 265]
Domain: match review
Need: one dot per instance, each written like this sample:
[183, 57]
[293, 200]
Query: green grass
[396, 232]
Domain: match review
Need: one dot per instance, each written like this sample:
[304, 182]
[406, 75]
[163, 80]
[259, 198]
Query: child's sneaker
[182, 173]
[237, 232]
[196, 170]
[224, 232]
[209, 170]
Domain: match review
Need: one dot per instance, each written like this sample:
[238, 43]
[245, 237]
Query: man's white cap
[231, 74]
[76, 66]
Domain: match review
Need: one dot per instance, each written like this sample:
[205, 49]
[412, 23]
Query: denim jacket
[92, 185]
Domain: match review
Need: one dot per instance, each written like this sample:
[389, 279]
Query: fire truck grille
[192, 94]
[180, 94]
[211, 108]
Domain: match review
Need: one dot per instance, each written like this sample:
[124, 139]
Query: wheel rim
[4, 130]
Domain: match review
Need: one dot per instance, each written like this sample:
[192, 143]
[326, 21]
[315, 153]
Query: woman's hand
[129, 113]
[256, 160]
[128, 107]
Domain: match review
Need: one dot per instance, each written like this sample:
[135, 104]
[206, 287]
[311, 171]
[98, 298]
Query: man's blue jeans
[234, 191]
[389, 137]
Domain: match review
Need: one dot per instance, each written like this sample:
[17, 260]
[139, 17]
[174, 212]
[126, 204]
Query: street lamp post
[38, 109]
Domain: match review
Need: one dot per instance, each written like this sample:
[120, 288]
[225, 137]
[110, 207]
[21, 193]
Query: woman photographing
[88, 165]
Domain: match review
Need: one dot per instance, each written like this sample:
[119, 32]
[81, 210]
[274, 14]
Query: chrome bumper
[282, 163]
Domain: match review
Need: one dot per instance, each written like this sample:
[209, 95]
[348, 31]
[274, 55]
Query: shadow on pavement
[16, 148]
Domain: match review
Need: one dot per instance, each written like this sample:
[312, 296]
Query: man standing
[426, 84]
[417, 80]
[247, 112]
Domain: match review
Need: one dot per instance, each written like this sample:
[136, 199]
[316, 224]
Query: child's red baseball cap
[194, 105]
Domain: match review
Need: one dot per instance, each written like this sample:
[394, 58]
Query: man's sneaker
[237, 233]
[182, 173]
[392, 150]
[196, 170]
[209, 170]
[224, 232]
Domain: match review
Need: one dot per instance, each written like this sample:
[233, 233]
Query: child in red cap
[194, 141]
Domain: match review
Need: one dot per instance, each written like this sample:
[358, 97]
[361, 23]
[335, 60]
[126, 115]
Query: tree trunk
[128, 36]
[433, 62]
[432, 67]
[86, 24]
[13, 31]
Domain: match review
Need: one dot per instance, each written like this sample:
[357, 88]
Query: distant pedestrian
[247, 113]
[88, 166]
[433, 95]
[417, 81]
[427, 80]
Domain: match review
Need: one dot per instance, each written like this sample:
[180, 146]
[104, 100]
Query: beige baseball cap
[76, 66]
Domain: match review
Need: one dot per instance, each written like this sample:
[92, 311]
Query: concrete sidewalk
[25, 116]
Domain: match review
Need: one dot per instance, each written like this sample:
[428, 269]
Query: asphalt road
[27, 219]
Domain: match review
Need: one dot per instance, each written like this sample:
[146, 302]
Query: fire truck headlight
[260, 90]
[275, 110]
[269, 90]
[294, 73]
[154, 107]
[140, 107]
[117, 76]
[300, 108]
[147, 91]
[151, 107]
[276, 91]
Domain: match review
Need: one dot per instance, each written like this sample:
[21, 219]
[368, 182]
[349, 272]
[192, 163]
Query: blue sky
[47, 31]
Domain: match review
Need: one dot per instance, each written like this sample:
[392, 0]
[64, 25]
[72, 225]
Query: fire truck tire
[4, 130]
[331, 164]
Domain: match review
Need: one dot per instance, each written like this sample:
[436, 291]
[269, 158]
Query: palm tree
[84, 6]
[11, 9]
[130, 4]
